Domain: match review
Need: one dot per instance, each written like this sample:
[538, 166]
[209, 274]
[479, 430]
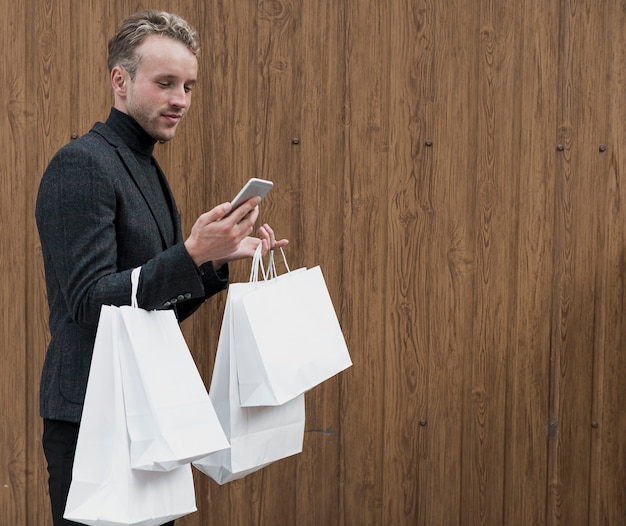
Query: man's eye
[164, 84]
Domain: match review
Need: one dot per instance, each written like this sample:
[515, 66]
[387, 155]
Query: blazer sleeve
[95, 227]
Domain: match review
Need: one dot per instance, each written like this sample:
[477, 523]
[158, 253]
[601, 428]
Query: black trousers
[59, 446]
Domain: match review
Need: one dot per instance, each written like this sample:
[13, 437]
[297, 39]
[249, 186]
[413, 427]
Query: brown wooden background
[455, 167]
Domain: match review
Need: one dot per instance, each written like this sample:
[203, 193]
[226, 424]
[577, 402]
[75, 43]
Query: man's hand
[218, 234]
[248, 246]
[269, 239]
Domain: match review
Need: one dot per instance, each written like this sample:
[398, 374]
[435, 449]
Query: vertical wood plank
[451, 265]
[36, 319]
[608, 460]
[365, 246]
[319, 144]
[495, 253]
[430, 260]
[14, 387]
[411, 215]
[527, 372]
[582, 117]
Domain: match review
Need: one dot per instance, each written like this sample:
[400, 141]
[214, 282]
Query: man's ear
[119, 78]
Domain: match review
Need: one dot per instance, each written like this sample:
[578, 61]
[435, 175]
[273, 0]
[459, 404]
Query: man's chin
[164, 137]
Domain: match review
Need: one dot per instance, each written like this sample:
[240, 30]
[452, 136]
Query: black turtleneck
[142, 145]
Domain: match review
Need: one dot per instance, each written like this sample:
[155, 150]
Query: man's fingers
[242, 211]
[214, 214]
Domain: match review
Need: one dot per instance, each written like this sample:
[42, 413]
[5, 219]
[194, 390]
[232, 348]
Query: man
[104, 207]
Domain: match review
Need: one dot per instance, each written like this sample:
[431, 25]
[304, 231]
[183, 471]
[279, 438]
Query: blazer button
[167, 304]
[173, 300]
[188, 296]
[181, 297]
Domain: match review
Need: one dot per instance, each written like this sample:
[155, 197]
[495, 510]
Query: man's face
[160, 95]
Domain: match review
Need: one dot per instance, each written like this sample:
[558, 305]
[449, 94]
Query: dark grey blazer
[97, 220]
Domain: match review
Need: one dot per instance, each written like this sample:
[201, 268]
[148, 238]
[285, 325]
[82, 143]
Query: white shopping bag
[105, 490]
[288, 337]
[171, 420]
[258, 435]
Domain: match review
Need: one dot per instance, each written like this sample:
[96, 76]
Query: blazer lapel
[146, 189]
[169, 196]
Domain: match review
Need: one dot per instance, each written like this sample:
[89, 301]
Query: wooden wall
[456, 168]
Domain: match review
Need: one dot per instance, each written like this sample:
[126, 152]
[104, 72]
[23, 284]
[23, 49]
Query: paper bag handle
[257, 262]
[271, 266]
[134, 281]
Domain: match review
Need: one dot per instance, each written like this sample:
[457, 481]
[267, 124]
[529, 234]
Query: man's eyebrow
[171, 76]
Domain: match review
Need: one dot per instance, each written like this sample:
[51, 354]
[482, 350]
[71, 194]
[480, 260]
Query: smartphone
[252, 188]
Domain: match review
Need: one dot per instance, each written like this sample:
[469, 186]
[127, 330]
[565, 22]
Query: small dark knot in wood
[428, 143]
[295, 140]
[560, 147]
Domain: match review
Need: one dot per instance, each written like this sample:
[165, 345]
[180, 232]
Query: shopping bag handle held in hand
[257, 262]
[271, 266]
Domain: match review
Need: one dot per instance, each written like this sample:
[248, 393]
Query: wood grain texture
[581, 116]
[364, 250]
[535, 78]
[608, 458]
[13, 401]
[455, 168]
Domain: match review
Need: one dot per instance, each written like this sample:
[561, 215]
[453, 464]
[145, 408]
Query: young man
[105, 207]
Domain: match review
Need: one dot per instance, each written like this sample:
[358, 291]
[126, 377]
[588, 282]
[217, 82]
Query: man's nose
[180, 97]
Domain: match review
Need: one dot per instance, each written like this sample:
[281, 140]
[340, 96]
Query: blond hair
[132, 32]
